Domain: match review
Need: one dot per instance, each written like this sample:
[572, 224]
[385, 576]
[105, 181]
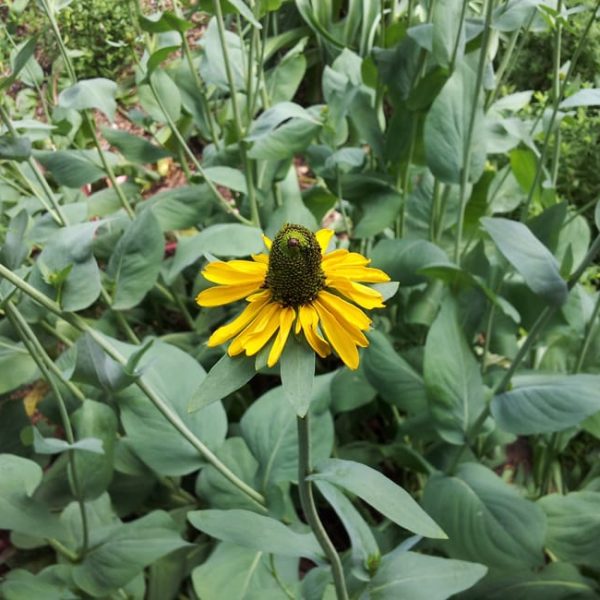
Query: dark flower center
[295, 276]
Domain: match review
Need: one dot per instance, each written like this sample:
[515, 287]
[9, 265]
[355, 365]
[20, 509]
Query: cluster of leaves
[459, 459]
[98, 32]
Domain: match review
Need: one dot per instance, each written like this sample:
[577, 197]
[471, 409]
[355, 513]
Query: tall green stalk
[310, 510]
[246, 165]
[466, 158]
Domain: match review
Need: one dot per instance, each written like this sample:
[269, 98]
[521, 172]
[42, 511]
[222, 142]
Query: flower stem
[310, 510]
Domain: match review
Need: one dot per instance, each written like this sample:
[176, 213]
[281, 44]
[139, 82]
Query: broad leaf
[251, 530]
[380, 492]
[422, 577]
[297, 365]
[452, 377]
[486, 519]
[91, 93]
[546, 403]
[529, 257]
[135, 262]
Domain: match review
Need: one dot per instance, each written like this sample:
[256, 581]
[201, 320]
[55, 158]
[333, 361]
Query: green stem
[310, 510]
[556, 103]
[169, 414]
[589, 336]
[45, 364]
[237, 116]
[463, 12]
[556, 90]
[466, 158]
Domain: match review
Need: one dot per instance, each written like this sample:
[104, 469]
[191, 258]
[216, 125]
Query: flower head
[300, 285]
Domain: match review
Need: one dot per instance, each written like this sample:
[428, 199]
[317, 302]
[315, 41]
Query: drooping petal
[226, 332]
[225, 294]
[261, 258]
[351, 328]
[361, 294]
[344, 311]
[266, 314]
[308, 320]
[267, 242]
[339, 338]
[286, 319]
[334, 257]
[324, 237]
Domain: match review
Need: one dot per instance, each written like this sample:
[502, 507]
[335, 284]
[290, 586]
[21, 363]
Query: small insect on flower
[298, 284]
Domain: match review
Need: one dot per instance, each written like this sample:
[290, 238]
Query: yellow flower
[296, 285]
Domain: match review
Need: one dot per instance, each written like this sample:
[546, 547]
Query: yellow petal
[267, 242]
[339, 338]
[309, 321]
[286, 318]
[263, 334]
[344, 311]
[225, 333]
[235, 272]
[324, 237]
[261, 258]
[366, 274]
[361, 294]
[258, 324]
[334, 257]
[225, 294]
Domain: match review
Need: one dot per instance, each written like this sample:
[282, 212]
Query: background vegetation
[453, 143]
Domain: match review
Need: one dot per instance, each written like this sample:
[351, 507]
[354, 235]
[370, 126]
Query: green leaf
[297, 374]
[226, 176]
[393, 378]
[529, 257]
[573, 527]
[251, 530]
[18, 510]
[452, 377]
[16, 365]
[403, 259]
[227, 375]
[22, 58]
[585, 97]
[513, 14]
[447, 26]
[52, 583]
[127, 550]
[365, 552]
[134, 148]
[91, 93]
[379, 211]
[167, 92]
[182, 207]
[556, 581]
[216, 489]
[422, 577]
[44, 445]
[245, 11]
[597, 215]
[351, 389]
[164, 21]
[486, 519]
[269, 428]
[14, 250]
[68, 261]
[523, 163]
[446, 129]
[74, 168]
[150, 435]
[236, 572]
[226, 239]
[379, 492]
[95, 367]
[546, 403]
[135, 263]
[14, 148]
[95, 472]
